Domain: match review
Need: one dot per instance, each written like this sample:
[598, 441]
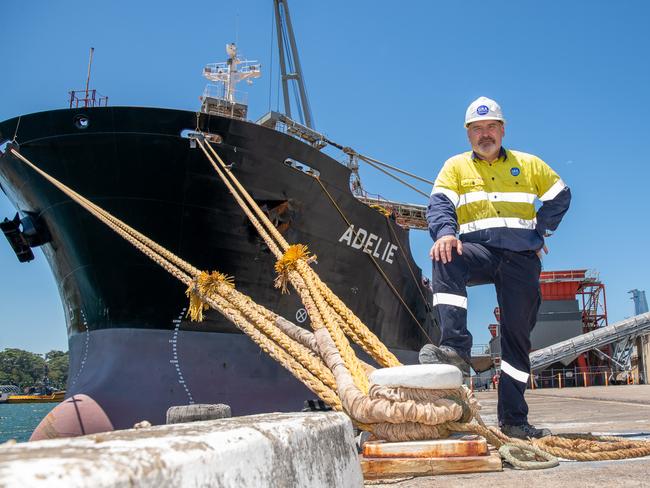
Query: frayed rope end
[205, 285]
[287, 263]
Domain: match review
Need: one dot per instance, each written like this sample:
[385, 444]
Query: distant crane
[623, 350]
[640, 302]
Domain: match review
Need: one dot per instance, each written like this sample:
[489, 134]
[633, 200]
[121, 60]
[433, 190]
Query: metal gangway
[624, 330]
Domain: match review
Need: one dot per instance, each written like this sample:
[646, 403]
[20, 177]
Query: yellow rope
[592, 448]
[274, 233]
[286, 359]
[287, 262]
[205, 284]
[365, 337]
[350, 359]
[277, 352]
[304, 355]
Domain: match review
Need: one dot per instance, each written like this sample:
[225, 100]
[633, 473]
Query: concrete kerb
[274, 450]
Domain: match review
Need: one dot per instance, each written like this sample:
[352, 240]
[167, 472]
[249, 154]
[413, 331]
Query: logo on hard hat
[482, 110]
[515, 171]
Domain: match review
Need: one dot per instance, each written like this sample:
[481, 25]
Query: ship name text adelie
[369, 243]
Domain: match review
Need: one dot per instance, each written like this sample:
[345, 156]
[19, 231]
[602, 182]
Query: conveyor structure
[620, 331]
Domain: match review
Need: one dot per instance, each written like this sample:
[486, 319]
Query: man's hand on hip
[541, 251]
[441, 249]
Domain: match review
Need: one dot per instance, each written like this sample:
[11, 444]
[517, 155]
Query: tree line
[26, 369]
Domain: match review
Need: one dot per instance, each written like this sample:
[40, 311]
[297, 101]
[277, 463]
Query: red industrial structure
[567, 285]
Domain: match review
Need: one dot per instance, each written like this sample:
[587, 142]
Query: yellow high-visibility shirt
[494, 203]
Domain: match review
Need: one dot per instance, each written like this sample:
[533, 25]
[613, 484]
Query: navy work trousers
[516, 278]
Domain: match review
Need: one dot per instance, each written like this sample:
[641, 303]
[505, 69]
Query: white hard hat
[483, 108]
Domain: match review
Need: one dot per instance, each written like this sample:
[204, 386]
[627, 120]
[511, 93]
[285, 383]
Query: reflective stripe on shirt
[552, 192]
[452, 195]
[496, 196]
[495, 222]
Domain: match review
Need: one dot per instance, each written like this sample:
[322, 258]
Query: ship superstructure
[221, 97]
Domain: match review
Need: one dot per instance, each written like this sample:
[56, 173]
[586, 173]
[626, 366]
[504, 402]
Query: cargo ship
[133, 352]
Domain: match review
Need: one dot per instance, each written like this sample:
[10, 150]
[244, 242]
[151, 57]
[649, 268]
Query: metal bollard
[194, 413]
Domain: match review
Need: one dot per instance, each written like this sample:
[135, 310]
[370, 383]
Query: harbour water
[17, 421]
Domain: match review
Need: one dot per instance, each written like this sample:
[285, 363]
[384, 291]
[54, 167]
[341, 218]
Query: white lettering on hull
[369, 243]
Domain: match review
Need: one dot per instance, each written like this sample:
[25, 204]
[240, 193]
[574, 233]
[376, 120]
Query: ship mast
[90, 64]
[222, 98]
[87, 97]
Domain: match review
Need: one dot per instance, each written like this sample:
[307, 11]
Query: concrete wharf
[317, 449]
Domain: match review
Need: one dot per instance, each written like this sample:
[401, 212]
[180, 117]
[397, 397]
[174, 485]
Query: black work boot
[524, 431]
[430, 354]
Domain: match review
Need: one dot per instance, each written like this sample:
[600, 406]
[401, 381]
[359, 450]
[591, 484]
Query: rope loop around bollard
[526, 457]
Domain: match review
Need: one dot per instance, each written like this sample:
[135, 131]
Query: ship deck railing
[214, 101]
[87, 98]
[409, 215]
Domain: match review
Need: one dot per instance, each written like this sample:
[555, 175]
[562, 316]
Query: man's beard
[487, 144]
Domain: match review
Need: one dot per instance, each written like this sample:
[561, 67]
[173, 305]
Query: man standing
[482, 218]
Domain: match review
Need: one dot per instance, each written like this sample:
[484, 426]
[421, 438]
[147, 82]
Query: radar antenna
[222, 98]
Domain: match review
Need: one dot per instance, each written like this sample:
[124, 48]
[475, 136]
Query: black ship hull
[132, 349]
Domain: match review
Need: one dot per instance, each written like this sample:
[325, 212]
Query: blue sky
[391, 80]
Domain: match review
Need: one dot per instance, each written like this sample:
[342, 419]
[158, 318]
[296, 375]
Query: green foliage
[24, 368]
[52, 355]
[58, 363]
[20, 367]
